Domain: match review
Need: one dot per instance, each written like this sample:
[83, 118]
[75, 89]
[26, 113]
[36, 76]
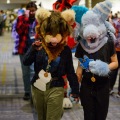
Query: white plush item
[40, 85]
[42, 81]
[67, 103]
[43, 78]
[99, 68]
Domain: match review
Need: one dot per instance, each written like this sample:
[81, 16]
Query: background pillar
[91, 3]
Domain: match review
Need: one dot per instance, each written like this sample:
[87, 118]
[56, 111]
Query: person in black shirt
[97, 57]
[53, 58]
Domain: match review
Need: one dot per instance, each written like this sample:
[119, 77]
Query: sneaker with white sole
[111, 92]
[118, 95]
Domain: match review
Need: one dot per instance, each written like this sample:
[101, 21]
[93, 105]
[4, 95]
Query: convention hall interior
[14, 103]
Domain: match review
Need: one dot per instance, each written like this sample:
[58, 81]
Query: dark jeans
[1, 29]
[95, 101]
[114, 74]
[27, 72]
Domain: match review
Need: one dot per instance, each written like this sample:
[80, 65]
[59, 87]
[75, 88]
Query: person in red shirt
[26, 30]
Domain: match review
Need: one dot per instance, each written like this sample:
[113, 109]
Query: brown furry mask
[53, 29]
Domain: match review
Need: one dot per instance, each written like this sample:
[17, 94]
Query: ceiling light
[8, 1]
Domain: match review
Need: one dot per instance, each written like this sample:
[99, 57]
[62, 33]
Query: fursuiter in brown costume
[53, 29]
[52, 60]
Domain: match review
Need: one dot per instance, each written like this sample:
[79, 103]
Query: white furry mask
[93, 31]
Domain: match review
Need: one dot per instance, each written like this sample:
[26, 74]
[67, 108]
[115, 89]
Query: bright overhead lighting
[8, 1]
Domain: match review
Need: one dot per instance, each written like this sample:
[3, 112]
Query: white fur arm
[110, 26]
[99, 68]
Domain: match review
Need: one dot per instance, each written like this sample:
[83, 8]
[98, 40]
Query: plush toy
[94, 33]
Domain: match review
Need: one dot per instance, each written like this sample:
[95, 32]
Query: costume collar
[53, 52]
[89, 50]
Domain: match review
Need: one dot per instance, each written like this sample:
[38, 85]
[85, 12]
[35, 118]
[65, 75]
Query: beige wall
[9, 6]
[94, 2]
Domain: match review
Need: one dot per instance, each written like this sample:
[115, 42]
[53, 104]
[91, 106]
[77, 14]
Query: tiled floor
[12, 107]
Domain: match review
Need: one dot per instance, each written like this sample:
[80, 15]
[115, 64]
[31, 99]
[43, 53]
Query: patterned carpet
[12, 106]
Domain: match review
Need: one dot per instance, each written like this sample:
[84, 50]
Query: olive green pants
[48, 104]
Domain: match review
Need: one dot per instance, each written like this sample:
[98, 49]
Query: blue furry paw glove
[84, 63]
[99, 68]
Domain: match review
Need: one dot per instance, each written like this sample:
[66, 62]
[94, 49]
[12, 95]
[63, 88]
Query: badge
[32, 37]
[93, 79]
[46, 74]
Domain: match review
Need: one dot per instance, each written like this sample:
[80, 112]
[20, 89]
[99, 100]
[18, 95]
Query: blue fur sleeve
[99, 68]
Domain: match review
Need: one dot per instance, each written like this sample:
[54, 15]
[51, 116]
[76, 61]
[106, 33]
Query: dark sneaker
[14, 53]
[31, 101]
[26, 96]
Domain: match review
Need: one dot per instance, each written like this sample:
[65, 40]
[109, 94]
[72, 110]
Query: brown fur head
[53, 25]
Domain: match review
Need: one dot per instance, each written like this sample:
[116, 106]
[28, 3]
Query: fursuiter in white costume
[97, 57]
[95, 32]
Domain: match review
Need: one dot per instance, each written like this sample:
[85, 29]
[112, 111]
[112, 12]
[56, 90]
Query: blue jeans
[27, 72]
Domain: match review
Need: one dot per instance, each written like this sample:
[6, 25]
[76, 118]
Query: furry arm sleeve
[101, 68]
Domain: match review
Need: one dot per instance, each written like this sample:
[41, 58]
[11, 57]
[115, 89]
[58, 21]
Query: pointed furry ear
[41, 14]
[68, 15]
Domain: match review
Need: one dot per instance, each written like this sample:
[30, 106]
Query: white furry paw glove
[99, 68]
[67, 103]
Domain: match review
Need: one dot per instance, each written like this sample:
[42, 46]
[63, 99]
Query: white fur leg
[67, 103]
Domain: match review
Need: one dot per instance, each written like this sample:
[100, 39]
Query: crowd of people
[6, 20]
[41, 39]
[114, 19]
[2, 21]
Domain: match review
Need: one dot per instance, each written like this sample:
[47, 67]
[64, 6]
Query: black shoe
[31, 101]
[14, 53]
[26, 96]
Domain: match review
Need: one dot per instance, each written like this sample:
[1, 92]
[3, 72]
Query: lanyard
[32, 26]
